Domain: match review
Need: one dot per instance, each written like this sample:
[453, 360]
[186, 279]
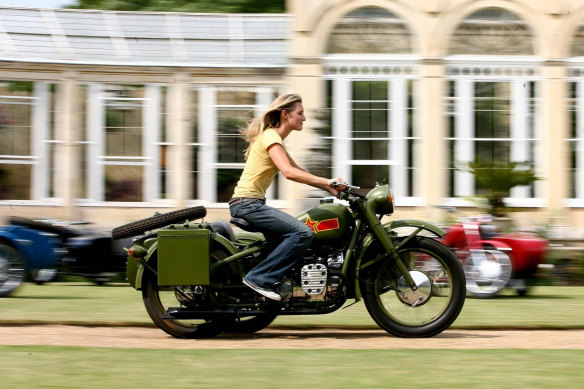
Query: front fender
[24, 246]
[414, 223]
[390, 228]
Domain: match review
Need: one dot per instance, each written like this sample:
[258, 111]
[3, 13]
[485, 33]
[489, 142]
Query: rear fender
[136, 269]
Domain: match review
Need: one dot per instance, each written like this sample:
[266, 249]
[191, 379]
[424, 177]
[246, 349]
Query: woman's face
[296, 117]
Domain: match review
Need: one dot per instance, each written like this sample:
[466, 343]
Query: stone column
[553, 128]
[430, 125]
[67, 150]
[178, 134]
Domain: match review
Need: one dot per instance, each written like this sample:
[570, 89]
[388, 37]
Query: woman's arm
[293, 172]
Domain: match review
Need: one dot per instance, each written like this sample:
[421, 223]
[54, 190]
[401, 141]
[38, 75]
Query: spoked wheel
[12, 270]
[158, 299]
[487, 272]
[428, 310]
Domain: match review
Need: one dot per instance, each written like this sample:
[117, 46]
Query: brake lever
[336, 184]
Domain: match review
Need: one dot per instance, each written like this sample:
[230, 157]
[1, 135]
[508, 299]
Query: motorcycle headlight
[383, 199]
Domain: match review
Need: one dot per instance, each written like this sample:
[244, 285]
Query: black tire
[138, 227]
[249, 325]
[12, 268]
[441, 294]
[156, 307]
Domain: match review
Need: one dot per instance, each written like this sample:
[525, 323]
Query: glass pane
[492, 152]
[123, 120]
[572, 171]
[370, 30]
[226, 181]
[16, 107]
[194, 171]
[231, 144]
[235, 97]
[15, 182]
[123, 183]
[370, 120]
[492, 110]
[163, 172]
[367, 176]
[370, 149]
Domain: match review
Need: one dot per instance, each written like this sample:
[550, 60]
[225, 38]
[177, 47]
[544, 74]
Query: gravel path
[275, 338]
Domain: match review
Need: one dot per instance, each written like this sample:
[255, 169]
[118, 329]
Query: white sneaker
[263, 291]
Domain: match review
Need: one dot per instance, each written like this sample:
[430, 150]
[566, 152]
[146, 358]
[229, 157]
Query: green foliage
[203, 6]
[497, 179]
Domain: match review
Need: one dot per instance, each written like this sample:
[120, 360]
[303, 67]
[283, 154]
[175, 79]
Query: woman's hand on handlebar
[335, 185]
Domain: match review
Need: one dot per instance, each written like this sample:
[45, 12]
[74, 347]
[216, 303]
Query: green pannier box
[183, 257]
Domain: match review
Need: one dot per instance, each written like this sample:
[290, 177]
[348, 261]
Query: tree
[203, 6]
[498, 178]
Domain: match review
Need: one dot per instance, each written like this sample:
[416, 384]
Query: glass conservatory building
[110, 116]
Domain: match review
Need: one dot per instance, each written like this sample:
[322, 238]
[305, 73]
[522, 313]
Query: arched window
[370, 101]
[492, 101]
[370, 30]
[492, 31]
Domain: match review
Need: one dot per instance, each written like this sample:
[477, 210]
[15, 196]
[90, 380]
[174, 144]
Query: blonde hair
[270, 118]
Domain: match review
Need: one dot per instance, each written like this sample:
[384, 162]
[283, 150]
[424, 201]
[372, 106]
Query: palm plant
[497, 178]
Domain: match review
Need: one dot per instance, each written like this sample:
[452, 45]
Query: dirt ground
[276, 338]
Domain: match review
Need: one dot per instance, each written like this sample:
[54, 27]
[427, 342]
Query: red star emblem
[311, 224]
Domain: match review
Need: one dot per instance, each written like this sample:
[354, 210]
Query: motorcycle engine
[318, 276]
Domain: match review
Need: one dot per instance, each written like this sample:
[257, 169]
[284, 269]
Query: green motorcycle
[190, 273]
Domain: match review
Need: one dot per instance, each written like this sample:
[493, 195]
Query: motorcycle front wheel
[12, 269]
[428, 310]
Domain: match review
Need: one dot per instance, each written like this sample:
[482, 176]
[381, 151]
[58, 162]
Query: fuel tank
[328, 220]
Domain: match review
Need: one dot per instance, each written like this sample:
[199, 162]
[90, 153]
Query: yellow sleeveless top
[260, 170]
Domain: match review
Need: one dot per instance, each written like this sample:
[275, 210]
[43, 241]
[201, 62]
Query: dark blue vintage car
[27, 251]
[42, 249]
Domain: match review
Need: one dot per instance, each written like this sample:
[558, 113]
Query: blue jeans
[293, 235]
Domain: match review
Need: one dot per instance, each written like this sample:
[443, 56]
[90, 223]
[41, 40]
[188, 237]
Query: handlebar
[348, 193]
[336, 184]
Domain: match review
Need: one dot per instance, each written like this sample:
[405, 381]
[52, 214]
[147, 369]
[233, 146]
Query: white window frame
[39, 131]
[207, 142]
[96, 150]
[397, 73]
[517, 73]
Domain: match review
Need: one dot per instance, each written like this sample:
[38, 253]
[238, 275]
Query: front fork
[391, 249]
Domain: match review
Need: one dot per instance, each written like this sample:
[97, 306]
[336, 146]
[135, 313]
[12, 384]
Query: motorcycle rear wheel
[157, 301]
[430, 309]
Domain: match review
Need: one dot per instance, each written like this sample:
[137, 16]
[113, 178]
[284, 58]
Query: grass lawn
[86, 367]
[79, 367]
[84, 303]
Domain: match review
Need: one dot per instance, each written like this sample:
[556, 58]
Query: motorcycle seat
[243, 224]
[223, 229]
